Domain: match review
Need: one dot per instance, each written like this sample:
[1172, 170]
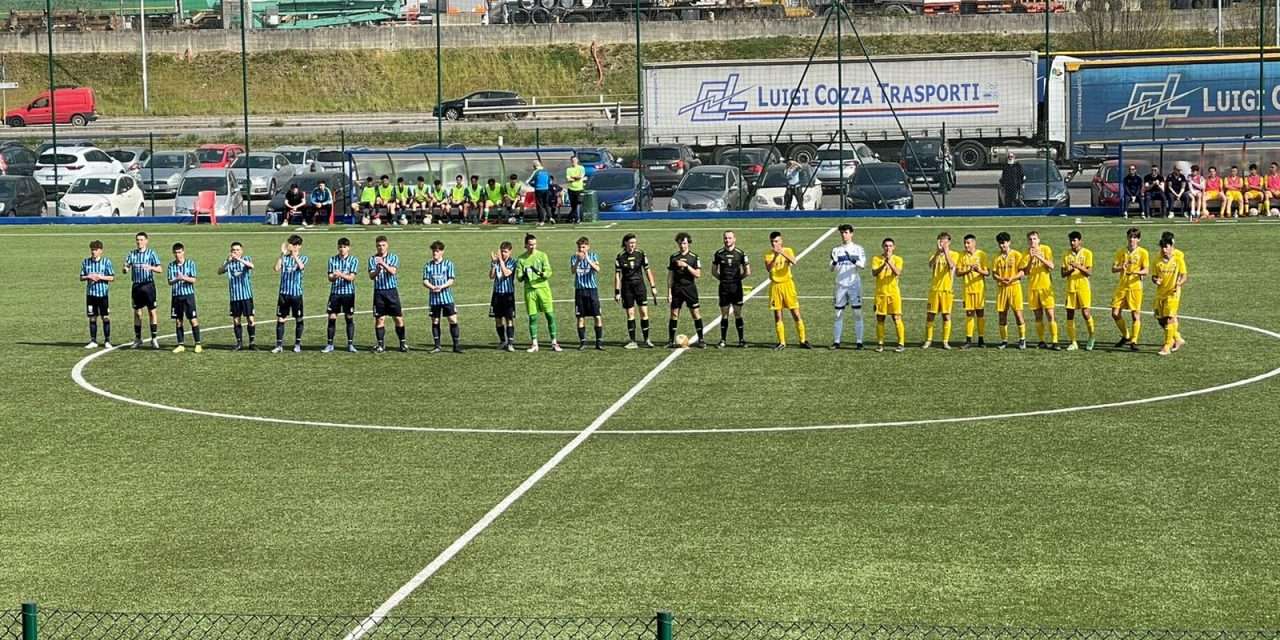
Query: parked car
[771, 194]
[457, 109]
[714, 187]
[162, 172]
[928, 161]
[73, 105]
[302, 158]
[16, 160]
[596, 159]
[621, 190]
[228, 200]
[72, 164]
[267, 171]
[665, 165]
[751, 161]
[102, 195]
[306, 182]
[1104, 189]
[131, 158]
[1033, 186]
[21, 196]
[835, 164]
[333, 159]
[217, 156]
[64, 143]
[879, 185]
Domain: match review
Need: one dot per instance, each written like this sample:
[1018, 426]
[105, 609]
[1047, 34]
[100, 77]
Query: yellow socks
[982, 326]
[928, 331]
[1071, 330]
[1004, 333]
[1022, 331]
[1053, 331]
[1137, 328]
[1170, 332]
[946, 331]
[968, 327]
[880, 330]
[1040, 330]
[902, 331]
[1124, 331]
[1089, 323]
[801, 332]
[781, 331]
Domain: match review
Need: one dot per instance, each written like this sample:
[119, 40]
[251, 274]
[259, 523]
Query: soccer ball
[377, 221]
[682, 340]
[511, 220]
[1253, 211]
[1274, 211]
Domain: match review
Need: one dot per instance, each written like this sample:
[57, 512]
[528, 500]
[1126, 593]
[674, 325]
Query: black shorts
[183, 307]
[730, 294]
[97, 306]
[502, 305]
[586, 303]
[386, 302]
[341, 303]
[144, 295]
[443, 311]
[289, 306]
[684, 296]
[242, 308]
[633, 293]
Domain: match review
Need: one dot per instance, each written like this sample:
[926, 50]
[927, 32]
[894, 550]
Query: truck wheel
[803, 153]
[575, 17]
[970, 155]
[897, 10]
[16, 121]
[78, 120]
[541, 16]
[519, 16]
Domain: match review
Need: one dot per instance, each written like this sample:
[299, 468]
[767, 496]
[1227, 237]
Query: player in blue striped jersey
[383, 267]
[502, 302]
[181, 275]
[239, 271]
[342, 294]
[438, 277]
[290, 266]
[97, 273]
[142, 264]
[585, 265]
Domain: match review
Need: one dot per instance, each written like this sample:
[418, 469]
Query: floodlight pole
[53, 121]
[639, 94]
[244, 89]
[439, 77]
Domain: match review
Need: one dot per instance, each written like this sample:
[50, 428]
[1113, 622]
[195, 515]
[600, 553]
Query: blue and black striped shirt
[291, 276]
[438, 273]
[584, 277]
[181, 287]
[136, 259]
[349, 264]
[102, 267]
[504, 284]
[385, 280]
[240, 279]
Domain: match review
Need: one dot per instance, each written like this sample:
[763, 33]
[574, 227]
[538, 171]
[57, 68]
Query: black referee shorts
[144, 295]
[97, 306]
[386, 302]
[287, 306]
[633, 294]
[730, 294]
[586, 303]
[684, 296]
[502, 305]
[183, 307]
[344, 304]
[242, 308]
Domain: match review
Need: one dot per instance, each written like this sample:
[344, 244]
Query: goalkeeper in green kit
[533, 268]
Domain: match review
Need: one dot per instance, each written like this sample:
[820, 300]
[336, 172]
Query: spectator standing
[541, 183]
[556, 200]
[1176, 188]
[576, 182]
[1131, 190]
[321, 202]
[795, 185]
[1153, 188]
[1011, 179]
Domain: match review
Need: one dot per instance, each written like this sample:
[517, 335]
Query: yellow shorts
[1166, 307]
[1212, 195]
[1041, 299]
[1234, 196]
[975, 300]
[1127, 298]
[941, 301]
[889, 304]
[1082, 298]
[782, 295]
[1009, 298]
[1253, 195]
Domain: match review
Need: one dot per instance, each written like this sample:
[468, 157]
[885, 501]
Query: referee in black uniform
[631, 269]
[683, 271]
[730, 266]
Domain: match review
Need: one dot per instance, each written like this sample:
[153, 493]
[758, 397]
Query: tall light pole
[53, 121]
[142, 18]
[639, 96]
[244, 88]
[435, 4]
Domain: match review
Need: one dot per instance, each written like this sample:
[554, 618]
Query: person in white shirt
[847, 260]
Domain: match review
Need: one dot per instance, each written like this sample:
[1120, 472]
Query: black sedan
[21, 196]
[879, 185]
[457, 109]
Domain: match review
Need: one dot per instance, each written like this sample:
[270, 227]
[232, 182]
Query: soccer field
[1027, 488]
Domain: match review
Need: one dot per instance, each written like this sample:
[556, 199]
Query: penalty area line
[374, 619]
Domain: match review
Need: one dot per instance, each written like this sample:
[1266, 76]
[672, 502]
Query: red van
[74, 105]
[217, 156]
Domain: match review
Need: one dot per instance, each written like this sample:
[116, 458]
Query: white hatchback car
[771, 193]
[73, 163]
[102, 195]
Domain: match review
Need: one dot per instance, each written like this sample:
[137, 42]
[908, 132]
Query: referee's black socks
[137, 332]
[400, 333]
[351, 330]
[697, 325]
[331, 329]
[672, 324]
[155, 328]
[381, 334]
[582, 335]
[644, 328]
[724, 329]
[631, 328]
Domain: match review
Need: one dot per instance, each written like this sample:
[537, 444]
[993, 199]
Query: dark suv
[751, 161]
[457, 109]
[928, 160]
[665, 165]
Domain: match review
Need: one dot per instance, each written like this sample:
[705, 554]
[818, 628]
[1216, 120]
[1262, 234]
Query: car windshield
[167, 161]
[209, 155]
[296, 157]
[833, 155]
[660, 154]
[746, 156]
[879, 175]
[58, 158]
[255, 162]
[619, 180]
[703, 181]
[589, 157]
[98, 186]
[123, 155]
[330, 157]
[776, 177]
[194, 185]
[1034, 172]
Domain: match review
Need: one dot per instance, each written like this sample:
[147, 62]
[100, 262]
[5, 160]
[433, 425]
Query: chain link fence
[695, 628]
[10, 624]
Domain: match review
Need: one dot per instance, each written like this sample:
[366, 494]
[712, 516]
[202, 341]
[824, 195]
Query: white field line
[371, 622]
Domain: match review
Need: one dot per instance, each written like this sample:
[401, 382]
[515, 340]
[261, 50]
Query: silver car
[830, 169]
[712, 188]
[131, 158]
[228, 199]
[163, 172]
[268, 171]
[302, 158]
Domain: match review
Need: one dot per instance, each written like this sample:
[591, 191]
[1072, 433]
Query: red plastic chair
[206, 204]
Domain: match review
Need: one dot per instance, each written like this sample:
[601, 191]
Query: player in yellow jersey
[1132, 263]
[1038, 265]
[1077, 268]
[942, 293]
[1007, 271]
[973, 269]
[1179, 342]
[1169, 274]
[782, 290]
[887, 268]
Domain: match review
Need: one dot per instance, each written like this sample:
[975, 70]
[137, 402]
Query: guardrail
[614, 111]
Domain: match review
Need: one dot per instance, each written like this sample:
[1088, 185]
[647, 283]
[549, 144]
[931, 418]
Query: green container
[590, 206]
